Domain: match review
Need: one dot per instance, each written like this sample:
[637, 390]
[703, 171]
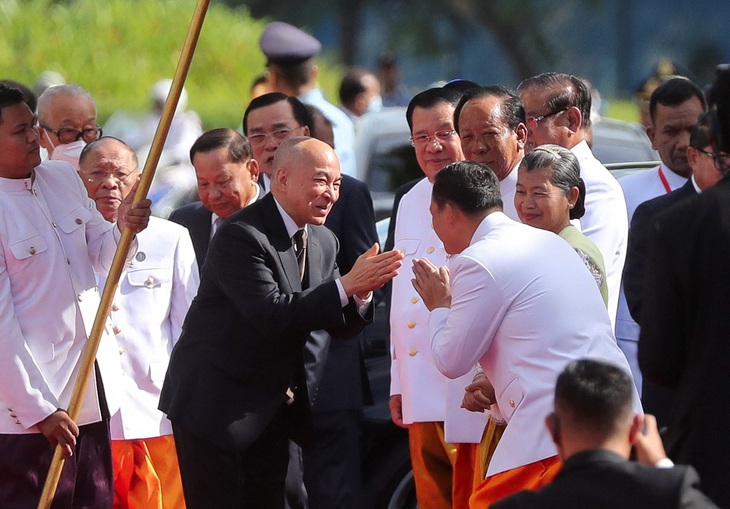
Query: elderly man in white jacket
[150, 304]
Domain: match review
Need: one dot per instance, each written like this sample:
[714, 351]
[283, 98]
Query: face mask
[69, 152]
[376, 104]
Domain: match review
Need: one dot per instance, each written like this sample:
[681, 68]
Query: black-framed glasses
[721, 160]
[437, 137]
[69, 134]
[533, 122]
[279, 134]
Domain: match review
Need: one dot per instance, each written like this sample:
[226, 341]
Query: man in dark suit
[235, 389]
[684, 343]
[227, 177]
[331, 463]
[594, 428]
[700, 155]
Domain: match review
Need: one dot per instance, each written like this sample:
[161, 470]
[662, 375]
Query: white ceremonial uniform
[639, 188]
[342, 126]
[427, 395]
[605, 221]
[52, 239]
[150, 304]
[507, 189]
[523, 306]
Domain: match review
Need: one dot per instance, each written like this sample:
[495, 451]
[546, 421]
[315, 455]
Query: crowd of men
[230, 372]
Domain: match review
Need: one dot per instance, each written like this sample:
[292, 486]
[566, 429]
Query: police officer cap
[284, 43]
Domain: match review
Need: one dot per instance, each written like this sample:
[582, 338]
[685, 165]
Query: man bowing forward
[235, 390]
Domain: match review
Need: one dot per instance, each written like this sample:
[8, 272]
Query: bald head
[306, 179]
[109, 169]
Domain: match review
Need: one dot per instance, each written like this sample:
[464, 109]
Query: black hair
[352, 85]
[430, 98]
[674, 92]
[570, 91]
[237, 144]
[595, 394]
[300, 112]
[513, 111]
[29, 96]
[469, 185]
[9, 96]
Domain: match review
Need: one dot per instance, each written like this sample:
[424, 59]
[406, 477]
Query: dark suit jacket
[197, 219]
[242, 340]
[638, 240]
[656, 400]
[685, 330]
[601, 479]
[342, 383]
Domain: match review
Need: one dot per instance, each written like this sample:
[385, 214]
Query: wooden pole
[89, 354]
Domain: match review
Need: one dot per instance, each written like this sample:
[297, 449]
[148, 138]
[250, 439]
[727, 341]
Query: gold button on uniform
[117, 329]
[78, 220]
[54, 225]
[411, 325]
[414, 300]
[31, 250]
[149, 281]
[115, 307]
[80, 297]
[512, 403]
[430, 250]
[412, 352]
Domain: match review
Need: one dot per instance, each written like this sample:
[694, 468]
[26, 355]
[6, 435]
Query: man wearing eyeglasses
[268, 120]
[67, 122]
[558, 108]
[154, 294]
[422, 399]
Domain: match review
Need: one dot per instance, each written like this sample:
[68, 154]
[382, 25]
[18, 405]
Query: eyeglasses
[69, 134]
[437, 137]
[721, 160]
[532, 122]
[279, 134]
[99, 177]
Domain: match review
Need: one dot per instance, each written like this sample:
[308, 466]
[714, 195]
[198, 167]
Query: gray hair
[46, 98]
[564, 171]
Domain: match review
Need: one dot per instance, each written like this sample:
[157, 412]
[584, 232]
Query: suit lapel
[314, 260]
[281, 242]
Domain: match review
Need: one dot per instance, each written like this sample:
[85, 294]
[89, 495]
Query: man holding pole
[52, 239]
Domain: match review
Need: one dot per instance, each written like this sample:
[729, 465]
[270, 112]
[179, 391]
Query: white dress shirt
[522, 306]
[605, 221]
[150, 304]
[52, 239]
[427, 395]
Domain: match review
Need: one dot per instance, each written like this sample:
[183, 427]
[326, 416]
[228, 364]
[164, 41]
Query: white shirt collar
[291, 226]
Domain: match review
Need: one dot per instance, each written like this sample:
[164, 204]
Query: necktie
[300, 246]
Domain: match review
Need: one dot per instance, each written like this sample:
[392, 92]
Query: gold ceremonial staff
[92, 345]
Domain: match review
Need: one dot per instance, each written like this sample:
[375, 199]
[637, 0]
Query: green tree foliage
[117, 49]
